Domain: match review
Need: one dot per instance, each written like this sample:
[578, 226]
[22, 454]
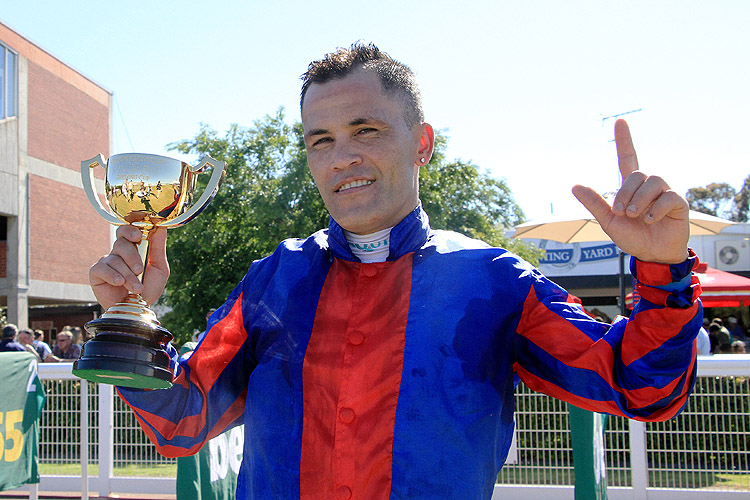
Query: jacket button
[356, 337]
[343, 493]
[369, 270]
[346, 415]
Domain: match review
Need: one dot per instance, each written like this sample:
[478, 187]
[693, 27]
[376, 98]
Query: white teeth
[354, 184]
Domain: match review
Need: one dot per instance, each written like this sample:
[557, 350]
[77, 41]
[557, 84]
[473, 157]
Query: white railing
[110, 439]
[652, 461]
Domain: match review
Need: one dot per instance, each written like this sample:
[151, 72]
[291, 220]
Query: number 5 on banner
[11, 433]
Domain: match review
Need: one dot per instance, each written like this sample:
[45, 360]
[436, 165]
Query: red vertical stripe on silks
[222, 342]
[573, 348]
[351, 377]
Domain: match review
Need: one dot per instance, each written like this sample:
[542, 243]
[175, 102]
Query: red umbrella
[720, 289]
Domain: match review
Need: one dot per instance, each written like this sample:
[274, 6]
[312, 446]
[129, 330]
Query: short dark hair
[395, 76]
[10, 331]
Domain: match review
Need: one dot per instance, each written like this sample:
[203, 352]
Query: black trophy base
[125, 353]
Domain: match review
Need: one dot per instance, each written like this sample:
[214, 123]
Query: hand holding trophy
[145, 191]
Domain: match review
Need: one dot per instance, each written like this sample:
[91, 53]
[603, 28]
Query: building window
[8, 82]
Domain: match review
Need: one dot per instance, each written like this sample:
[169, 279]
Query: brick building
[51, 118]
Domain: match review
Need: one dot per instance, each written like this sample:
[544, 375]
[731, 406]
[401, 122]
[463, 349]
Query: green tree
[459, 197]
[269, 195]
[742, 202]
[714, 199]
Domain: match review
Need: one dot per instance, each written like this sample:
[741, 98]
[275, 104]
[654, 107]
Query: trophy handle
[87, 178]
[208, 194]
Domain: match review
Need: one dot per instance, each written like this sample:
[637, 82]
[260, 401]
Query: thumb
[157, 249]
[593, 202]
[157, 270]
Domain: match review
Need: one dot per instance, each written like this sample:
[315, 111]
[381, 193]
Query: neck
[372, 247]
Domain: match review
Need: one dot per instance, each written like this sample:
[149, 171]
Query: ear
[426, 145]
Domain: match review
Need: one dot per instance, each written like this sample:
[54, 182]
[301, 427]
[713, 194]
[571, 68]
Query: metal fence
[704, 453]
[61, 432]
[100, 453]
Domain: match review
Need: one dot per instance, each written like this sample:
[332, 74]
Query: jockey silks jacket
[396, 379]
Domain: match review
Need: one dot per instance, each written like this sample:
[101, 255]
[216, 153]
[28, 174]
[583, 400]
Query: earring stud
[423, 160]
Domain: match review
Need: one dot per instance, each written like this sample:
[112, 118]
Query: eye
[321, 141]
[366, 130]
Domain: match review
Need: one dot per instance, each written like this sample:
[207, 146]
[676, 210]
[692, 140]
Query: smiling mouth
[355, 184]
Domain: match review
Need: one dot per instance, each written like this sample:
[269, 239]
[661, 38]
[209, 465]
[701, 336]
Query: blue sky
[519, 87]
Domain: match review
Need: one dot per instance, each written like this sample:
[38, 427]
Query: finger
[157, 249]
[157, 271]
[646, 194]
[112, 270]
[624, 197]
[593, 202]
[130, 233]
[102, 273]
[128, 252]
[626, 157]
[669, 204]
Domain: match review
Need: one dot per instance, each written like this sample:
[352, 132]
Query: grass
[129, 470]
[509, 475]
[679, 479]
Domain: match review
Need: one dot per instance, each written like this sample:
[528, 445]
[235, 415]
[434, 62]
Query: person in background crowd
[719, 336]
[736, 329]
[64, 350]
[738, 347]
[724, 330]
[78, 337]
[40, 344]
[703, 343]
[26, 339]
[8, 342]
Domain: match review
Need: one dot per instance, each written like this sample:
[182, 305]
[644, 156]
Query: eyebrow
[317, 131]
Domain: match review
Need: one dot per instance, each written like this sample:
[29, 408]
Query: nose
[345, 154]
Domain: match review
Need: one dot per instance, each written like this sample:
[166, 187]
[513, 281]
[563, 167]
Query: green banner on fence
[211, 474]
[587, 434]
[21, 402]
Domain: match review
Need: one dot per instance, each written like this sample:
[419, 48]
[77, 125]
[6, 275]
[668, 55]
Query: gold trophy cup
[129, 347]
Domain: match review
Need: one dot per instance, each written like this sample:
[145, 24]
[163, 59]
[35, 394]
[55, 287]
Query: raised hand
[116, 274]
[647, 219]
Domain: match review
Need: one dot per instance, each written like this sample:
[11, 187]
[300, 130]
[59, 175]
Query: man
[26, 339]
[40, 344]
[736, 330]
[392, 376]
[703, 342]
[8, 342]
[65, 350]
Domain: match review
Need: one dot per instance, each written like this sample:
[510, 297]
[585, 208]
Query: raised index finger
[626, 157]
